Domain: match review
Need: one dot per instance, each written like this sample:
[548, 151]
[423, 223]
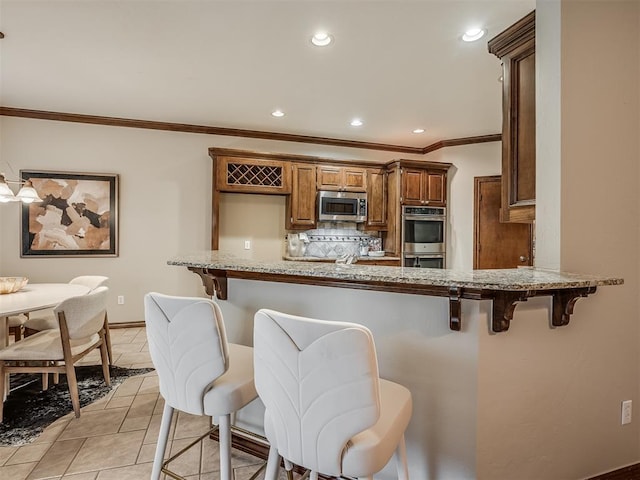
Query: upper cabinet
[376, 199]
[252, 175]
[346, 179]
[516, 49]
[423, 187]
[301, 204]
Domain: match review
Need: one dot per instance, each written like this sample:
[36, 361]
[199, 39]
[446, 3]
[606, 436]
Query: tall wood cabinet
[516, 49]
[301, 204]
[412, 182]
[376, 199]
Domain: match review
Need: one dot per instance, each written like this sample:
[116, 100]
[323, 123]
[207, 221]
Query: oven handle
[424, 217]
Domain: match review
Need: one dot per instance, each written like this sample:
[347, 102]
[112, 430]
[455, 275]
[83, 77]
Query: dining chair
[15, 324]
[82, 328]
[200, 373]
[326, 409]
[46, 320]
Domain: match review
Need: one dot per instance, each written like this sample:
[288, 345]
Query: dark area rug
[28, 410]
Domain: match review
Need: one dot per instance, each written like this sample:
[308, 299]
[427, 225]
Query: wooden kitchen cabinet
[301, 204]
[252, 175]
[346, 179]
[423, 187]
[376, 199]
[515, 47]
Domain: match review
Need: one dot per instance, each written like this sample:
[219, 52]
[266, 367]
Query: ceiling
[398, 65]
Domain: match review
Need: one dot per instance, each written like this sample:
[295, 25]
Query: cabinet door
[519, 151]
[355, 179]
[252, 175]
[436, 189]
[413, 186]
[376, 200]
[329, 177]
[301, 204]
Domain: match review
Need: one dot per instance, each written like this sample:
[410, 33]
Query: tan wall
[555, 395]
[165, 191]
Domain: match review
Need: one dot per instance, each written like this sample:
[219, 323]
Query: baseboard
[631, 472]
[126, 325]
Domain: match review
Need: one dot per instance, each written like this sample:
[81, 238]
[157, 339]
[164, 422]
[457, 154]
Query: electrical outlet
[120, 299]
[247, 244]
[626, 412]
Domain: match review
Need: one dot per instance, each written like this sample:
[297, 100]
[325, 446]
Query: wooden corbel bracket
[504, 303]
[563, 303]
[455, 321]
[214, 281]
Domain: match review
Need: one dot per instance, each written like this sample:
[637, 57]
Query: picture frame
[77, 217]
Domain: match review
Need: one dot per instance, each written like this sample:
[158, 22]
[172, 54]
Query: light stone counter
[504, 287]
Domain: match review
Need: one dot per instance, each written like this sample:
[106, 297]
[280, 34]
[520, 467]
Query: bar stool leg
[224, 424]
[163, 436]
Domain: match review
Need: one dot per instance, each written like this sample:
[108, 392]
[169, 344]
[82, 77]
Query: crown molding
[237, 132]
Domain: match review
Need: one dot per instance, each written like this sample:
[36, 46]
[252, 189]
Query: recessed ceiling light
[321, 39]
[419, 130]
[356, 122]
[473, 34]
[277, 113]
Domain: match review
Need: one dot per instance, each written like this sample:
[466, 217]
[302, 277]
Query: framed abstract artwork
[78, 215]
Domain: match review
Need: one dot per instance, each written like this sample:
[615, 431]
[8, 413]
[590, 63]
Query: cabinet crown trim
[518, 33]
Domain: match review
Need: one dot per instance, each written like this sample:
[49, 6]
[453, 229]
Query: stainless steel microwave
[342, 206]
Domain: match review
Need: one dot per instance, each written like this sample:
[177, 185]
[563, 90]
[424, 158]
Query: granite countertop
[366, 258]
[519, 279]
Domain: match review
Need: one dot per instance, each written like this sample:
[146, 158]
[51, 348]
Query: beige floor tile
[81, 476]
[210, 461]
[189, 426]
[121, 348]
[245, 472]
[143, 405]
[159, 406]
[53, 431]
[149, 385]
[134, 472]
[6, 453]
[154, 429]
[189, 462]
[93, 423]
[121, 401]
[57, 459]
[129, 387]
[134, 357]
[107, 451]
[135, 423]
[99, 404]
[29, 453]
[148, 452]
[16, 472]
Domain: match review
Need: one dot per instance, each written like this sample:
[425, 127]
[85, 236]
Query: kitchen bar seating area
[463, 188]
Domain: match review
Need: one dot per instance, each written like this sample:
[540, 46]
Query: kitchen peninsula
[504, 287]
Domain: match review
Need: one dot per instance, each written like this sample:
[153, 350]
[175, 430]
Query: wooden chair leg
[45, 381]
[56, 378]
[73, 387]
[2, 387]
[105, 363]
[108, 339]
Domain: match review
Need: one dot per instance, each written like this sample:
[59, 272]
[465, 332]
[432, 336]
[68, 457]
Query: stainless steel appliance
[424, 236]
[342, 206]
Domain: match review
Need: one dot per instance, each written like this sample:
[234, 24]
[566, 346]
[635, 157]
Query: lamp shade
[6, 195]
[28, 194]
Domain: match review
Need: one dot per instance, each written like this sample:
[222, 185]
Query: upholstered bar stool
[326, 409]
[199, 372]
